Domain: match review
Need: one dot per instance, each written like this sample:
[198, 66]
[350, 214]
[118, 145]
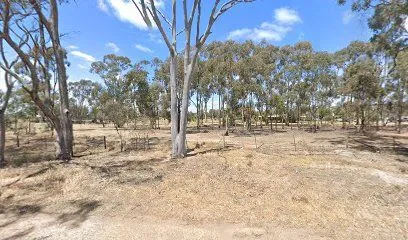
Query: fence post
[104, 141]
[147, 141]
[394, 144]
[347, 141]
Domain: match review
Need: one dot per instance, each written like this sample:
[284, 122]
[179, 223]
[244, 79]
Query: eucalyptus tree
[350, 55]
[323, 84]
[247, 76]
[207, 90]
[81, 92]
[114, 71]
[197, 89]
[388, 21]
[400, 85]
[192, 24]
[4, 98]
[301, 71]
[362, 83]
[144, 96]
[287, 77]
[161, 79]
[215, 69]
[268, 70]
[26, 27]
[265, 58]
[94, 101]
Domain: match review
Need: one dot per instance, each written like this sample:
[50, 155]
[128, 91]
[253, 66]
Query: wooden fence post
[347, 141]
[147, 139]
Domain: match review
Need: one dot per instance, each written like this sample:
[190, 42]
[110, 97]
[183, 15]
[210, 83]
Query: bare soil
[291, 184]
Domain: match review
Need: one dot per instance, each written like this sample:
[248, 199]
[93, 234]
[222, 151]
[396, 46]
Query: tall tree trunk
[226, 108]
[205, 112]
[2, 138]
[3, 108]
[226, 116]
[212, 111]
[219, 110]
[400, 110]
[362, 126]
[198, 110]
[181, 137]
[174, 106]
[242, 114]
[65, 122]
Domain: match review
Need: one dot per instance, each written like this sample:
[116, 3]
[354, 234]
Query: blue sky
[94, 28]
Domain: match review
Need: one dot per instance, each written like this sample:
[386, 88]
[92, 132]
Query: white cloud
[240, 33]
[267, 31]
[126, 11]
[154, 38]
[83, 55]
[113, 47]
[82, 66]
[102, 6]
[270, 31]
[287, 16]
[347, 17]
[143, 48]
[72, 47]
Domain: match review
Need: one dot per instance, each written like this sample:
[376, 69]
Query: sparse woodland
[251, 83]
[235, 98]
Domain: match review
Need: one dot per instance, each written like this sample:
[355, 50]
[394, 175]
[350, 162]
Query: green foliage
[387, 20]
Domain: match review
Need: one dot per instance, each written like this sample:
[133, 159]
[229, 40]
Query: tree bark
[198, 109]
[65, 115]
[2, 139]
[174, 106]
[400, 89]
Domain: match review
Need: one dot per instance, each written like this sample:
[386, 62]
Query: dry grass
[321, 189]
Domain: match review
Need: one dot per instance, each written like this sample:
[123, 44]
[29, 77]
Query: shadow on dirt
[371, 142]
[80, 215]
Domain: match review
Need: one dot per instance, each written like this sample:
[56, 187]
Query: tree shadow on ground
[237, 133]
[15, 213]
[128, 171]
[195, 151]
[20, 234]
[37, 149]
[81, 214]
[141, 143]
[19, 210]
[371, 142]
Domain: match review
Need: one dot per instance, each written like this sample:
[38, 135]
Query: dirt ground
[291, 184]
